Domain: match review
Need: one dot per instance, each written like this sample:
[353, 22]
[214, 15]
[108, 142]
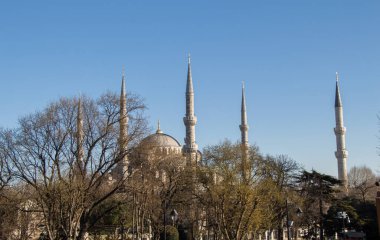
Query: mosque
[161, 142]
[167, 144]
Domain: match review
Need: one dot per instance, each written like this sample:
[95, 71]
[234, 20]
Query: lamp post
[165, 219]
[289, 223]
[287, 219]
[378, 206]
[343, 216]
[122, 222]
[298, 214]
[174, 216]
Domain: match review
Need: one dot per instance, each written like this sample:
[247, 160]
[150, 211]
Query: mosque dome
[162, 141]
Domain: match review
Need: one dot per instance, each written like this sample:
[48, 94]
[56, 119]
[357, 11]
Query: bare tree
[280, 174]
[68, 186]
[159, 183]
[361, 180]
[5, 174]
[8, 209]
[233, 206]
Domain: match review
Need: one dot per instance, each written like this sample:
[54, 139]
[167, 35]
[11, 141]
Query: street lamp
[174, 216]
[289, 223]
[122, 222]
[378, 205]
[344, 216]
[299, 212]
[165, 207]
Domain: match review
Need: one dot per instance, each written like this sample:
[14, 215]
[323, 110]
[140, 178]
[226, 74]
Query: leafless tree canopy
[43, 150]
[5, 173]
[361, 181]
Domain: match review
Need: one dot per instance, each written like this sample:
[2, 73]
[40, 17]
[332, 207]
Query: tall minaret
[123, 138]
[244, 136]
[340, 130]
[190, 148]
[79, 137]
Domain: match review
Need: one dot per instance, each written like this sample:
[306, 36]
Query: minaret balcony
[191, 148]
[340, 130]
[244, 127]
[341, 154]
[190, 120]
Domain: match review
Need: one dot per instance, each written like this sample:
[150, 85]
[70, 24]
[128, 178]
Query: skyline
[287, 55]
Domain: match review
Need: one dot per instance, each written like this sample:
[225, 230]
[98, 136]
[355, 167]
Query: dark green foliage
[362, 217]
[333, 223]
[317, 190]
[182, 232]
[109, 215]
[171, 233]
[318, 184]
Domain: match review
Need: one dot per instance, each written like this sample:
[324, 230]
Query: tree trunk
[321, 219]
[83, 227]
[280, 233]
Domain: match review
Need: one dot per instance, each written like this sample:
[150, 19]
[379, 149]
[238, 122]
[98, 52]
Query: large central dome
[162, 142]
[160, 139]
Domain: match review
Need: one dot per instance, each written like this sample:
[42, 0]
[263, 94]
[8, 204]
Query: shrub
[171, 233]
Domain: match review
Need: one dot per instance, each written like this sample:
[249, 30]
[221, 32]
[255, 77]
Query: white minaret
[123, 135]
[190, 120]
[79, 137]
[244, 135]
[341, 153]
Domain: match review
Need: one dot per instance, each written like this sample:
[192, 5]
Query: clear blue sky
[287, 52]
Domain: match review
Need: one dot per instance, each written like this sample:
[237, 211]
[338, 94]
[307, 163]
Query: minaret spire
[244, 123]
[338, 101]
[244, 135]
[123, 138]
[189, 85]
[190, 119]
[341, 152]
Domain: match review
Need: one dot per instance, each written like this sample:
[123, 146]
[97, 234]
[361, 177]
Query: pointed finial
[123, 71]
[189, 84]
[80, 100]
[337, 76]
[338, 101]
[158, 127]
[243, 107]
[188, 59]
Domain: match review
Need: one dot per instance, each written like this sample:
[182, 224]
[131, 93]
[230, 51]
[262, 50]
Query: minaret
[340, 130]
[244, 136]
[123, 138]
[79, 137]
[190, 148]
